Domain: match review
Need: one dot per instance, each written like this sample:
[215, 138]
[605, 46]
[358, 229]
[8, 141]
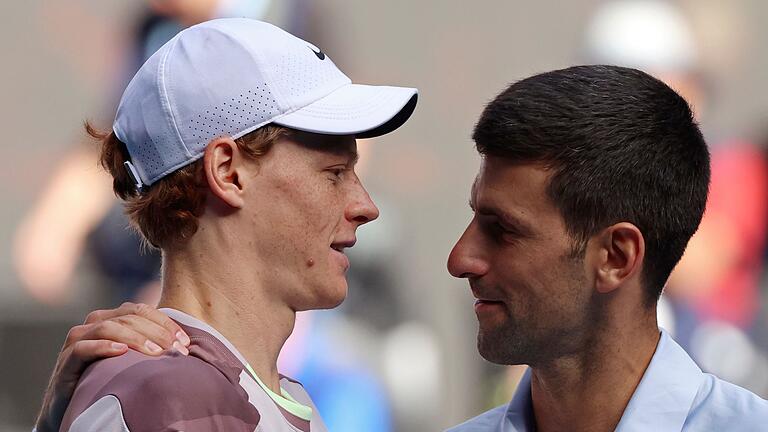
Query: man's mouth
[483, 295]
[484, 301]
[484, 306]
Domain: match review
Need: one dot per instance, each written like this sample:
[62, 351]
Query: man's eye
[500, 228]
[505, 233]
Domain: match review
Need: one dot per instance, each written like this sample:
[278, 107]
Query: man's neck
[239, 309]
[589, 391]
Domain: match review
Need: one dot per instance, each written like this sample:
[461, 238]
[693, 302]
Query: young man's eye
[336, 174]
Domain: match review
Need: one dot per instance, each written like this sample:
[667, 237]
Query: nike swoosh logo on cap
[318, 53]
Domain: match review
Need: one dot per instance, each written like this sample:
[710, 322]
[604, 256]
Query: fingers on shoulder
[76, 334]
[138, 325]
[161, 319]
[90, 350]
[123, 332]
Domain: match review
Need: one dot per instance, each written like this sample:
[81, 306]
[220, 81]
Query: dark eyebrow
[472, 191]
[507, 219]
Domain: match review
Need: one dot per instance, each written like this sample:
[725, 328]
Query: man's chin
[498, 349]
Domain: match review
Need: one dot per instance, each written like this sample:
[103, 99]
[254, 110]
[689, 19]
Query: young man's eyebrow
[354, 157]
[349, 152]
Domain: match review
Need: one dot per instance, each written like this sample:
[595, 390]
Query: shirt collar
[661, 401]
[191, 321]
[284, 400]
[666, 392]
[519, 416]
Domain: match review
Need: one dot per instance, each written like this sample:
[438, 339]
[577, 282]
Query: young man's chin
[328, 296]
[338, 296]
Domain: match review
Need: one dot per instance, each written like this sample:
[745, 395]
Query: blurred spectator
[53, 237]
[713, 295]
[327, 354]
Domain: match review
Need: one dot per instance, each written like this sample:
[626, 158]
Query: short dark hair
[623, 147]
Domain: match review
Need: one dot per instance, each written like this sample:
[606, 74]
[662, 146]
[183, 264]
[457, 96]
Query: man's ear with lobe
[617, 253]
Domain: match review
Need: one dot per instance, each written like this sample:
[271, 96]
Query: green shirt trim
[285, 400]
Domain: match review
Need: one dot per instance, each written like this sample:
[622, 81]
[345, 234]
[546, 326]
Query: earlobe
[620, 255]
[222, 164]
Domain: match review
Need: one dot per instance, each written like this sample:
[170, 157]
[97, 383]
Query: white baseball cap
[230, 76]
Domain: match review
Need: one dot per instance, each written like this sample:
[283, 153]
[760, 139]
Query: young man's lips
[343, 244]
[338, 251]
[343, 260]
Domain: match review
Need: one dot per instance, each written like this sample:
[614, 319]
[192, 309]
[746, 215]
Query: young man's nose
[361, 208]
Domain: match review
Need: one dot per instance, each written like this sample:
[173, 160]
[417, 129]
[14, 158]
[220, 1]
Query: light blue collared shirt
[674, 395]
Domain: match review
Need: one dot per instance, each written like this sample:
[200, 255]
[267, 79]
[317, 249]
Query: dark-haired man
[593, 179]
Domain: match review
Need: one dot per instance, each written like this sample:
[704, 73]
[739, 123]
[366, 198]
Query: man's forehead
[512, 188]
[500, 173]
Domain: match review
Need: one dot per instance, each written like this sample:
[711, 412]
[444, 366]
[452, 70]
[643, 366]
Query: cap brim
[355, 109]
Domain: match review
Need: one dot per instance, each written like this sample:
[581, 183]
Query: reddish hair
[167, 212]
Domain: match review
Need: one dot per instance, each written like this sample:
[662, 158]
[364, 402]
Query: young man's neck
[239, 309]
[589, 391]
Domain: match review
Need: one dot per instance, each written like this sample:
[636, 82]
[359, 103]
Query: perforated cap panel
[228, 77]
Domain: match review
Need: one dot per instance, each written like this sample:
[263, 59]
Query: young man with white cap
[234, 149]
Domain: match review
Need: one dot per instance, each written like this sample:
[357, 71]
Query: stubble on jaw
[543, 334]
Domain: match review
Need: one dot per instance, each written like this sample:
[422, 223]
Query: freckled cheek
[327, 215]
[311, 215]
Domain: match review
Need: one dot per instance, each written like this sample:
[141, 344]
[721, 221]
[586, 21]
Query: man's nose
[467, 258]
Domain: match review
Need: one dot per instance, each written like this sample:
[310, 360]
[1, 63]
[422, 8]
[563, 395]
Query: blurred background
[404, 341]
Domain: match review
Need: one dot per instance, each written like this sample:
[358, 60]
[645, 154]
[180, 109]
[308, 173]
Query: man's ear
[223, 165]
[617, 254]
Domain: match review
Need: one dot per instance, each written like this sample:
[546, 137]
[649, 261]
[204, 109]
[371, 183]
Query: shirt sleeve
[105, 415]
[171, 392]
